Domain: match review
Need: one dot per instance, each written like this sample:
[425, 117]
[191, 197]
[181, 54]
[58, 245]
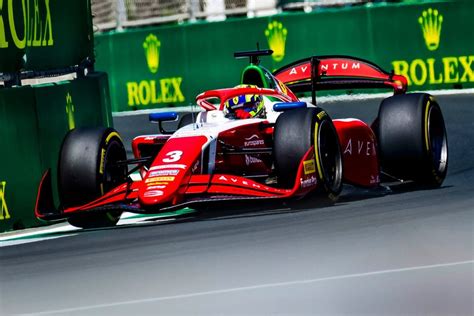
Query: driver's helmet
[245, 106]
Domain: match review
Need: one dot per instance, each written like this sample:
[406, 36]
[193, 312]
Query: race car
[256, 141]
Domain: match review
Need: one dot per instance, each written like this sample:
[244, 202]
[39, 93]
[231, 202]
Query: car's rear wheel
[87, 169]
[412, 139]
[295, 132]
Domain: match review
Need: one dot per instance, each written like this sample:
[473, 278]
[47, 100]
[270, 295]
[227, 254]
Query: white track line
[249, 288]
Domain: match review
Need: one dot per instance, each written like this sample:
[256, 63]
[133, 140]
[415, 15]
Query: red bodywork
[359, 152]
[197, 166]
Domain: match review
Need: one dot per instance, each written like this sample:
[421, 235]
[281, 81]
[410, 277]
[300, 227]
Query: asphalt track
[373, 253]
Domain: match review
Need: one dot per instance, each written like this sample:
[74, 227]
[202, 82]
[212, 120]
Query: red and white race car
[293, 151]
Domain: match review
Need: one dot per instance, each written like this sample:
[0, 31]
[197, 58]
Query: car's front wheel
[87, 169]
[295, 132]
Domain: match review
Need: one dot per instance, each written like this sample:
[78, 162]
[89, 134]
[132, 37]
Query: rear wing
[337, 72]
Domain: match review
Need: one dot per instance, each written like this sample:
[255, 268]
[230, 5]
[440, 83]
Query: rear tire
[412, 139]
[295, 132]
[86, 172]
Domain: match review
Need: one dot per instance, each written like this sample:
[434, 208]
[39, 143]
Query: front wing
[198, 190]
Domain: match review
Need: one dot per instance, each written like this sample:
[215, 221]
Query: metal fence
[309, 5]
[109, 14]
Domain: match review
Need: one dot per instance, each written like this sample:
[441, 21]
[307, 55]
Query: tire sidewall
[330, 188]
[434, 174]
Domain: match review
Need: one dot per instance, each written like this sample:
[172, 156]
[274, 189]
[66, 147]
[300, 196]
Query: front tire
[87, 170]
[295, 132]
[412, 138]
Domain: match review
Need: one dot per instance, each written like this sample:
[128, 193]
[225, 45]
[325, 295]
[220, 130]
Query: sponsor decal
[374, 179]
[171, 166]
[431, 23]
[302, 69]
[166, 172]
[250, 160]
[309, 166]
[325, 66]
[36, 22]
[343, 66]
[102, 161]
[366, 148]
[4, 214]
[242, 182]
[196, 166]
[111, 135]
[282, 86]
[235, 180]
[154, 91]
[420, 71]
[447, 70]
[70, 112]
[321, 114]
[158, 179]
[253, 140]
[153, 183]
[152, 46]
[153, 193]
[103, 151]
[156, 187]
[311, 181]
[276, 35]
[147, 92]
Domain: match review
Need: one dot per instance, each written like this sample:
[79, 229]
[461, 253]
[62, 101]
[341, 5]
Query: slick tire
[295, 132]
[87, 170]
[412, 139]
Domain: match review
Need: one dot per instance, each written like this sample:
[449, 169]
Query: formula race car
[256, 141]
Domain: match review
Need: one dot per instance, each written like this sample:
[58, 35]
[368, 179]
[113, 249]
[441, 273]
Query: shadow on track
[261, 208]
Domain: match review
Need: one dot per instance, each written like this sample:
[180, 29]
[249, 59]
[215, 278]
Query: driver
[245, 106]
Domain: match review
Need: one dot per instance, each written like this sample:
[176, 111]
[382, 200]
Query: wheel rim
[330, 157]
[437, 140]
[114, 174]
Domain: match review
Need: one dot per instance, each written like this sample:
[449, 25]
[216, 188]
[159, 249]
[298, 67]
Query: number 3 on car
[173, 156]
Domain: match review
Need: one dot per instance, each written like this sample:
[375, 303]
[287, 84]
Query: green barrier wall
[33, 123]
[20, 166]
[58, 34]
[169, 65]
[12, 30]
